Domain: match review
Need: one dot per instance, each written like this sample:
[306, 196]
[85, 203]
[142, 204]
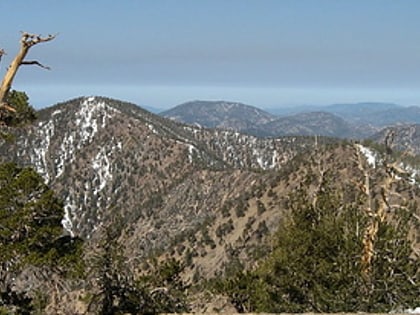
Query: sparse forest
[317, 261]
[162, 217]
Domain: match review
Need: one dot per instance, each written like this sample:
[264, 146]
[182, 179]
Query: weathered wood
[26, 42]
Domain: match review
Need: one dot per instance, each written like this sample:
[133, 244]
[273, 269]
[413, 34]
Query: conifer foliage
[31, 232]
[316, 265]
[23, 112]
[120, 291]
[30, 216]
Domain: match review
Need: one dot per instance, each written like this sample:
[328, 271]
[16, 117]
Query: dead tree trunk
[26, 42]
[383, 209]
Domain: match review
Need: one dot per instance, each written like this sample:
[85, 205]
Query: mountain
[218, 114]
[359, 120]
[248, 119]
[343, 110]
[103, 156]
[360, 109]
[368, 116]
[406, 115]
[404, 138]
[376, 114]
[309, 124]
[210, 198]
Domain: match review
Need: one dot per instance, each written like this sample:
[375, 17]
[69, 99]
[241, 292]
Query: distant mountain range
[339, 109]
[358, 121]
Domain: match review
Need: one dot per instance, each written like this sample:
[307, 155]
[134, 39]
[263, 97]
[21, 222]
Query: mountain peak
[218, 114]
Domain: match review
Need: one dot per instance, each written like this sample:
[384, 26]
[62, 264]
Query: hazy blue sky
[266, 53]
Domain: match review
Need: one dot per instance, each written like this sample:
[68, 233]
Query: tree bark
[26, 42]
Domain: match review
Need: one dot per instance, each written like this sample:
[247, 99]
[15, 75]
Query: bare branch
[26, 42]
[34, 62]
[7, 107]
[33, 39]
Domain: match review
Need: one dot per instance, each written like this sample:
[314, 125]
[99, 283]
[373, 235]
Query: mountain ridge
[110, 137]
[210, 198]
[218, 114]
[358, 120]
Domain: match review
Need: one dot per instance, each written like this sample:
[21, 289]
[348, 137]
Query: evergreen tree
[30, 216]
[31, 231]
[119, 292]
[315, 265]
[24, 113]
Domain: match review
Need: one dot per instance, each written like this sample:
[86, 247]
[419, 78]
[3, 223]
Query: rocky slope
[210, 198]
[103, 157]
[404, 138]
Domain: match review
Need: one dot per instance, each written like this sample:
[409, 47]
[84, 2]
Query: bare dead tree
[27, 40]
[381, 210]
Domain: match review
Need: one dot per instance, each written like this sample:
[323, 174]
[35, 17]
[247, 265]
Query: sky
[266, 53]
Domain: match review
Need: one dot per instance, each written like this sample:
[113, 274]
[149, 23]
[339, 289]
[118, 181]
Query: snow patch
[56, 112]
[85, 119]
[265, 160]
[102, 167]
[66, 154]
[372, 160]
[91, 116]
[39, 159]
[413, 310]
[260, 162]
[274, 159]
[191, 150]
[152, 128]
[414, 174]
[369, 154]
[66, 222]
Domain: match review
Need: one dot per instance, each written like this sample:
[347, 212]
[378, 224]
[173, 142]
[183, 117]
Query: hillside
[90, 149]
[360, 111]
[307, 124]
[209, 198]
[218, 114]
[404, 138]
[376, 114]
[357, 121]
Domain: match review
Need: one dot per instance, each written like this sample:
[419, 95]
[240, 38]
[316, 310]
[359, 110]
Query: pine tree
[316, 262]
[31, 234]
[23, 112]
[30, 216]
[158, 291]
